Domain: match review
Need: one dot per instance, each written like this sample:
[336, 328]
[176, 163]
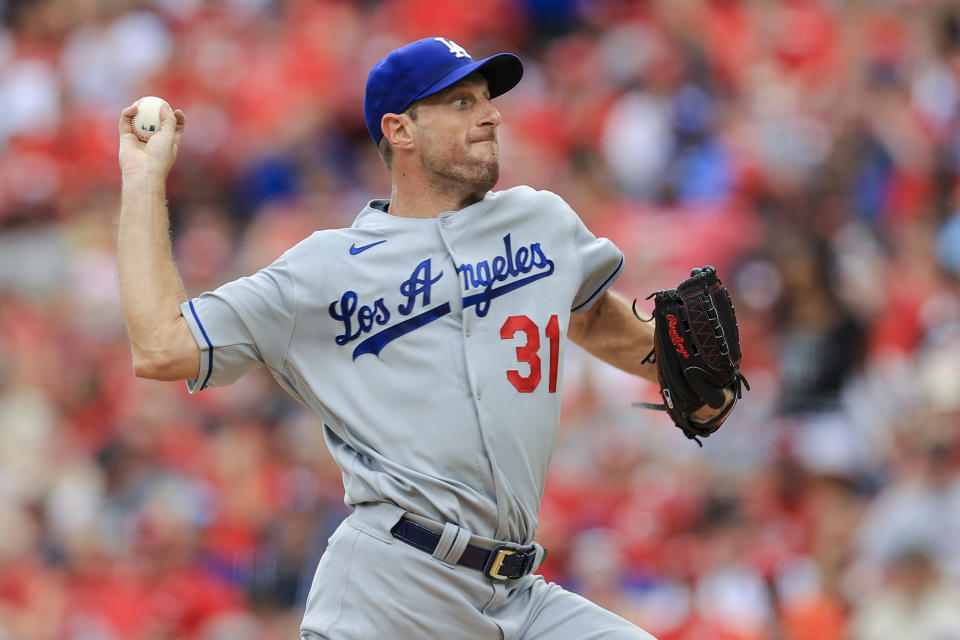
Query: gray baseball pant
[371, 586]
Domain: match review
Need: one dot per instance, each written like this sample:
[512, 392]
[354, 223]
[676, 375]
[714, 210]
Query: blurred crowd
[808, 148]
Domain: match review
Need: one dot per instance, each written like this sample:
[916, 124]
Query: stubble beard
[455, 170]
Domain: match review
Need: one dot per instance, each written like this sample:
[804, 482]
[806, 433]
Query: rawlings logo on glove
[696, 350]
[675, 337]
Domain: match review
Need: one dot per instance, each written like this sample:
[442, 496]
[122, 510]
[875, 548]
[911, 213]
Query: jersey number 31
[529, 352]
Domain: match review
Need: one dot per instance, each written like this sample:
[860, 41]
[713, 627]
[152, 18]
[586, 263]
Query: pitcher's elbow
[165, 352]
[154, 366]
[145, 367]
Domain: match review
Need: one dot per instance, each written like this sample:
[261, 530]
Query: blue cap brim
[502, 72]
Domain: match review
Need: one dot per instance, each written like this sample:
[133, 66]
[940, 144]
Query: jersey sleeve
[242, 325]
[601, 263]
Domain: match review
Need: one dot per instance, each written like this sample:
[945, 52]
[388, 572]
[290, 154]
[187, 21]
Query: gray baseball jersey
[431, 348]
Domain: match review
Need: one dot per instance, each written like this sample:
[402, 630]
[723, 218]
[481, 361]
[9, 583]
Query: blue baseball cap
[424, 67]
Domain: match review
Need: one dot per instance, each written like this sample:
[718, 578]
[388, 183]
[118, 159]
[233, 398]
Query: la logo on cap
[455, 49]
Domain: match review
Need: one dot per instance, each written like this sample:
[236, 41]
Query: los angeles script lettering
[357, 322]
[486, 274]
[359, 319]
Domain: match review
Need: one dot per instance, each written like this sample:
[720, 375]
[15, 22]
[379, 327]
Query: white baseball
[146, 122]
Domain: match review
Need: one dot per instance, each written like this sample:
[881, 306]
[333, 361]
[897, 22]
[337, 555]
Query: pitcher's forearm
[151, 289]
[611, 332]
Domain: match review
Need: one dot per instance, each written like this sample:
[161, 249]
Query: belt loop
[452, 542]
[447, 538]
[541, 555]
[458, 546]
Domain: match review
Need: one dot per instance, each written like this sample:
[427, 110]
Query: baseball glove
[696, 350]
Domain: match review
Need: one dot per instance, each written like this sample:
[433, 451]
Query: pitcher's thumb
[168, 124]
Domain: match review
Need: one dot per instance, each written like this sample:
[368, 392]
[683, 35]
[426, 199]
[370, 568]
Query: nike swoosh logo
[354, 249]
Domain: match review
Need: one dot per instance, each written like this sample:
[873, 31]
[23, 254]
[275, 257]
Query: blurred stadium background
[811, 145]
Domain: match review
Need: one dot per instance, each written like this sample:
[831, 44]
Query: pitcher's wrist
[143, 178]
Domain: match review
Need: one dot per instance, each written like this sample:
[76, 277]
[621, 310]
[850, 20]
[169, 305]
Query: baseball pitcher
[429, 336]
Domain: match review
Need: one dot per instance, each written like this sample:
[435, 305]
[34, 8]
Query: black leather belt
[500, 563]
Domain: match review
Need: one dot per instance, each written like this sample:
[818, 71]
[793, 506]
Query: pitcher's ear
[398, 129]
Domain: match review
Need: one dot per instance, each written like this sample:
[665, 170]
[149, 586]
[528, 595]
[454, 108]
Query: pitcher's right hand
[156, 156]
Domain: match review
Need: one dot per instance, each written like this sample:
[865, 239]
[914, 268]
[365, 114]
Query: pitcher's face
[457, 131]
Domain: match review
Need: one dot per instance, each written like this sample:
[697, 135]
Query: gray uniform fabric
[374, 586]
[431, 348]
